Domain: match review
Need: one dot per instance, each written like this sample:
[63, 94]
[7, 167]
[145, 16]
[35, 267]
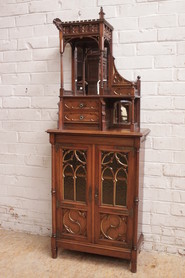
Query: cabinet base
[116, 252]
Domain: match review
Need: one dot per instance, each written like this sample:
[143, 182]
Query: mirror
[121, 113]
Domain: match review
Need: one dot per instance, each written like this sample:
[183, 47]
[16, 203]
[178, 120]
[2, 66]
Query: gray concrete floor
[24, 255]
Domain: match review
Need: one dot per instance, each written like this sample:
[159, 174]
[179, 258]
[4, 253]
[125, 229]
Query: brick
[158, 156]
[161, 207]
[157, 21]
[44, 30]
[180, 61]
[179, 129]
[17, 56]
[45, 54]
[123, 50]
[45, 78]
[29, 114]
[11, 159]
[156, 75]
[7, 68]
[78, 3]
[138, 36]
[43, 6]
[181, 19]
[170, 143]
[178, 183]
[49, 114]
[178, 196]
[21, 32]
[4, 34]
[51, 90]
[14, 9]
[124, 23]
[53, 41]
[53, 65]
[178, 209]
[138, 10]
[166, 7]
[174, 170]
[8, 137]
[43, 102]
[153, 169]
[116, 2]
[179, 157]
[181, 74]
[156, 48]
[31, 171]
[171, 88]
[29, 90]
[6, 45]
[135, 62]
[16, 102]
[65, 16]
[157, 103]
[181, 47]
[37, 160]
[34, 137]
[7, 22]
[179, 103]
[32, 43]
[27, 125]
[30, 19]
[16, 79]
[166, 61]
[171, 34]
[163, 117]
[37, 66]
[160, 129]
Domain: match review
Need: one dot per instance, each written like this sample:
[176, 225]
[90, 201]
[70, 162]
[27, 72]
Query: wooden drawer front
[81, 117]
[81, 104]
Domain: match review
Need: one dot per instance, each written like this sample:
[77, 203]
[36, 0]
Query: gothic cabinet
[97, 149]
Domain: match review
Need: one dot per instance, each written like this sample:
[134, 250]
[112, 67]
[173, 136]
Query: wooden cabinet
[97, 150]
[95, 192]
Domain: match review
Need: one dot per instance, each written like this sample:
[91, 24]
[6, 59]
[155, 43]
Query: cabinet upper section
[93, 72]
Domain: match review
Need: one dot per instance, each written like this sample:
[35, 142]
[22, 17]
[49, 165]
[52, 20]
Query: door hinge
[130, 212]
[58, 204]
[90, 194]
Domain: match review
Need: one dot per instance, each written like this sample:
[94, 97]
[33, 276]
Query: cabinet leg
[133, 266]
[54, 248]
[134, 261]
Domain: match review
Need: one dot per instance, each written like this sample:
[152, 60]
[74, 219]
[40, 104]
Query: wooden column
[73, 70]
[101, 46]
[61, 64]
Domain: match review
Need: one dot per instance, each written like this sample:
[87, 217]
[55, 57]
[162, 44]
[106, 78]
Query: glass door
[74, 205]
[114, 196]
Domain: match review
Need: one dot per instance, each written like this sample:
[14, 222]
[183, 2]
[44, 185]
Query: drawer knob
[81, 117]
[81, 105]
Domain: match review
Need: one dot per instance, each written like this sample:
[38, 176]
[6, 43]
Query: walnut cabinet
[97, 149]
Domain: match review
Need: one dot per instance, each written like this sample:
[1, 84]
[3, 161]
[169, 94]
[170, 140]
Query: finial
[58, 23]
[138, 77]
[101, 13]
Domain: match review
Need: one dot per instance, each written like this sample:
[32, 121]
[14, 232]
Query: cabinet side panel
[141, 183]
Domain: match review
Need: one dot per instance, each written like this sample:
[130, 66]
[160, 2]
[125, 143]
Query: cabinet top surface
[113, 133]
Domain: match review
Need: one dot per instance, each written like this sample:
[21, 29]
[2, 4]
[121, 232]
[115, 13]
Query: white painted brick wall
[149, 40]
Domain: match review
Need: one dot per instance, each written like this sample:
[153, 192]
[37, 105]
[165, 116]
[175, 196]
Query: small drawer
[81, 104]
[81, 117]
